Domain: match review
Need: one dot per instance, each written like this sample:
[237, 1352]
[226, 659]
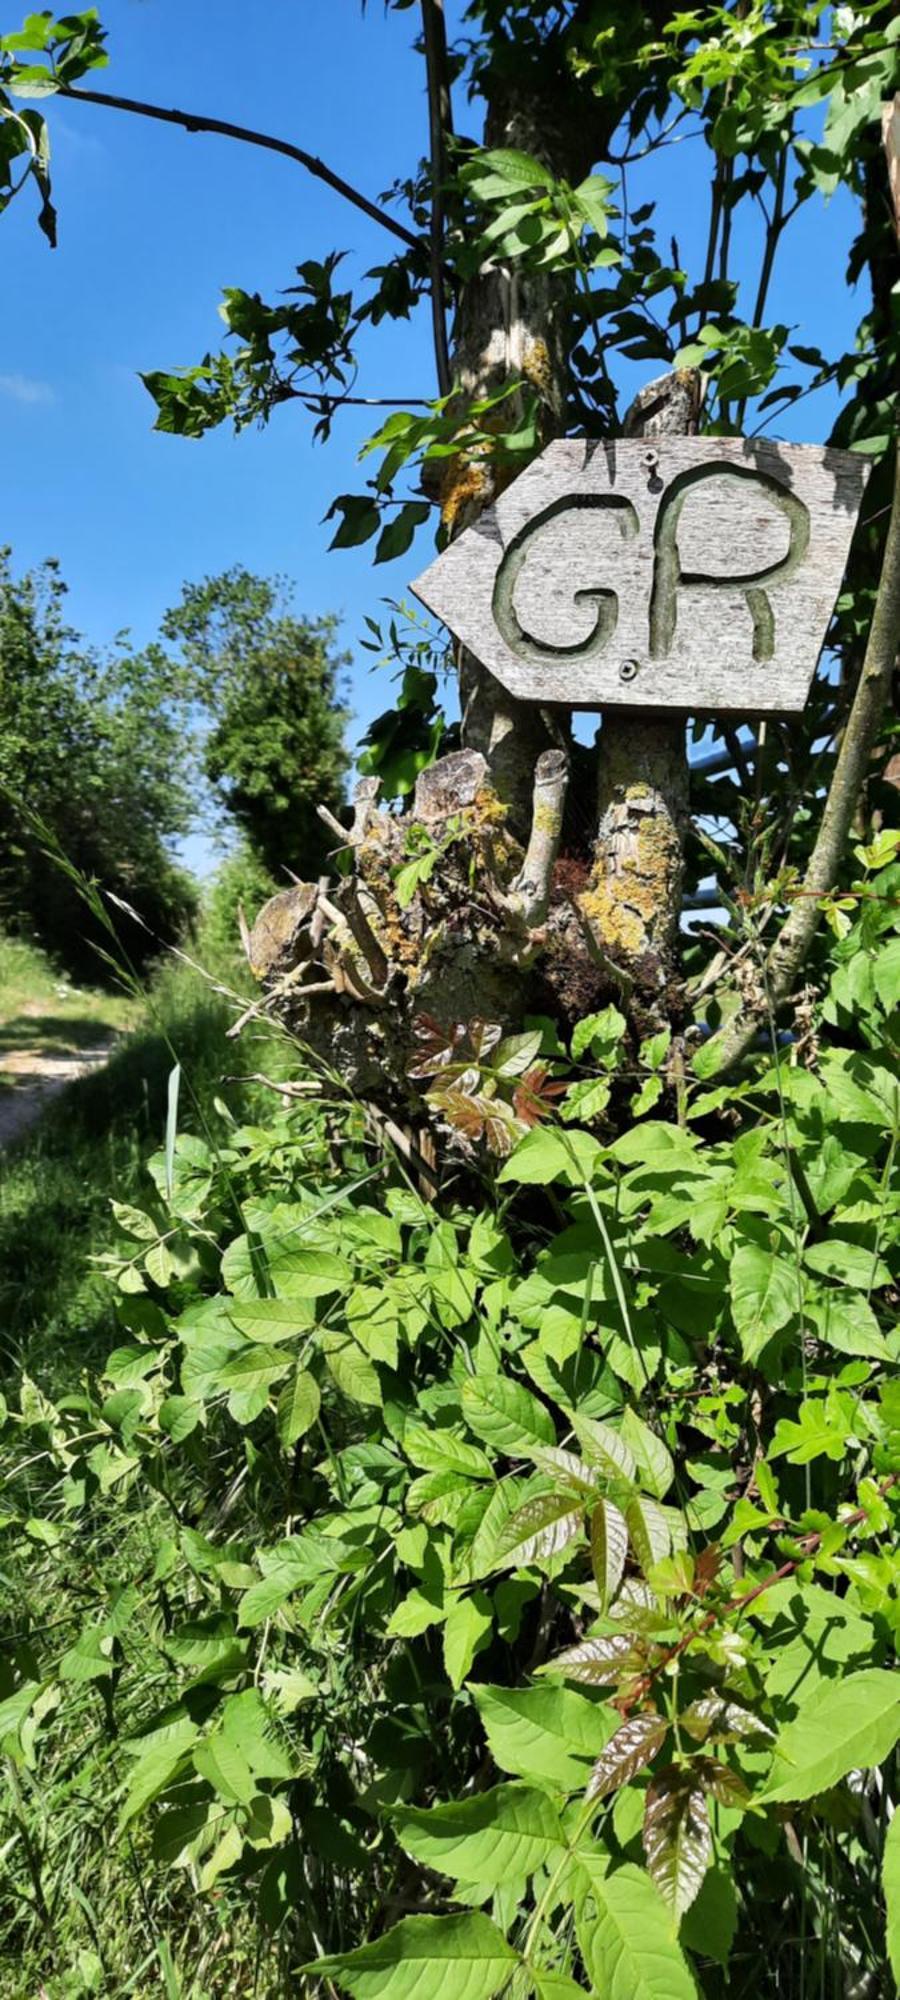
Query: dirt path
[31, 1077]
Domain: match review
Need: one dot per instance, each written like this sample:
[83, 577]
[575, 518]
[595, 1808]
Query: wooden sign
[688, 573]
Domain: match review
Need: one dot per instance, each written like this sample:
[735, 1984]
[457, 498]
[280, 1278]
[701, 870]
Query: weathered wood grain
[689, 573]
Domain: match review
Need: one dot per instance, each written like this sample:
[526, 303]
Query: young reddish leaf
[706, 1568]
[712, 1719]
[533, 1098]
[600, 1661]
[626, 1753]
[438, 1046]
[725, 1784]
[677, 1836]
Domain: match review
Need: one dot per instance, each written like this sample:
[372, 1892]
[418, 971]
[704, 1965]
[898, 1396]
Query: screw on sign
[701, 575]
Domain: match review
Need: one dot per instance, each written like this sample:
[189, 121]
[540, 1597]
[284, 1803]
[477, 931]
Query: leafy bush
[269, 683]
[509, 1581]
[240, 883]
[91, 750]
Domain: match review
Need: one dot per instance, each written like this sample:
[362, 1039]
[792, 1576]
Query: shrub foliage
[498, 1595]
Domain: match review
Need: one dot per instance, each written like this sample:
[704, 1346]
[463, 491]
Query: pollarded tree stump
[443, 915]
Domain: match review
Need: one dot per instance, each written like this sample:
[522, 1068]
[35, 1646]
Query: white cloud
[24, 389]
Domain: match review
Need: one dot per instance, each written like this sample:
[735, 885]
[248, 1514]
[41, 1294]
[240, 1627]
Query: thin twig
[440, 125]
[191, 121]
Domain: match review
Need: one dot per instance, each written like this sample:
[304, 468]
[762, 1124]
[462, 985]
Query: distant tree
[270, 685]
[94, 749]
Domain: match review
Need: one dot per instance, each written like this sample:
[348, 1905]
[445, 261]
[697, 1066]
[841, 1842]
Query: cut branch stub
[443, 914]
[660, 572]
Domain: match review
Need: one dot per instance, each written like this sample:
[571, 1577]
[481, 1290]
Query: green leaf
[441, 1451]
[313, 1274]
[396, 538]
[360, 520]
[157, 1768]
[851, 1263]
[292, 1565]
[604, 1447]
[496, 1836]
[298, 1408]
[179, 1416]
[15, 1709]
[609, 1548]
[91, 1658]
[630, 1950]
[515, 168]
[600, 1034]
[545, 1155]
[506, 1415]
[223, 1765]
[544, 1733]
[765, 1296]
[466, 1631]
[654, 1462]
[352, 1371]
[544, 1525]
[890, 1876]
[592, 196]
[461, 1957]
[709, 1925]
[846, 1725]
[415, 1614]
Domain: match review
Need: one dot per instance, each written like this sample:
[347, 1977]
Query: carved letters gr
[606, 599]
[669, 575]
[701, 576]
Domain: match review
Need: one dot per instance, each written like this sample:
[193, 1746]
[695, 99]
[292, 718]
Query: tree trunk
[510, 325]
[632, 904]
[461, 913]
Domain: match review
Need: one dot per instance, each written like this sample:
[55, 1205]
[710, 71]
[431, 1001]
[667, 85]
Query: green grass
[118, 1926]
[57, 1182]
[40, 1011]
[36, 999]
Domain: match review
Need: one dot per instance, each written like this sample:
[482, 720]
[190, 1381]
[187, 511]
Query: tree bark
[632, 905]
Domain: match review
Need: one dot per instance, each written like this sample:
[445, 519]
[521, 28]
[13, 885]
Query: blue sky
[154, 223]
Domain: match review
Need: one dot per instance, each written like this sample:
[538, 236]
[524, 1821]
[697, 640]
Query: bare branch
[334, 825]
[440, 124]
[530, 893]
[370, 946]
[365, 798]
[191, 121]
[860, 735]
